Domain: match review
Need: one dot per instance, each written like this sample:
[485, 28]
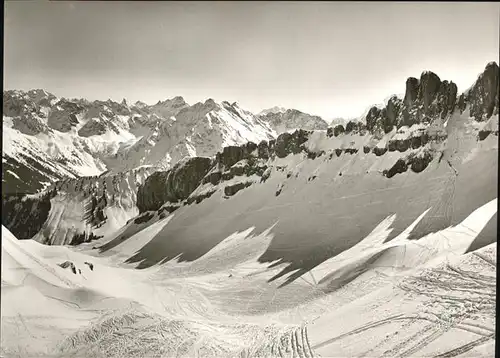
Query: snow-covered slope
[405, 298]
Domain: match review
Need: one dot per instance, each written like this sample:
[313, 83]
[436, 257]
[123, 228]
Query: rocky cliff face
[411, 133]
[173, 185]
[430, 127]
[430, 99]
[75, 210]
[482, 97]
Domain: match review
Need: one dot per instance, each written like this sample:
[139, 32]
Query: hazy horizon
[328, 59]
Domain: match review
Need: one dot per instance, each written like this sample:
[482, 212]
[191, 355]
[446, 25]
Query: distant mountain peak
[285, 120]
[275, 109]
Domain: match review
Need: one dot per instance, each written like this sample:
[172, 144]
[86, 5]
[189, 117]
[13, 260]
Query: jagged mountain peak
[210, 102]
[173, 100]
[491, 64]
[140, 104]
[429, 99]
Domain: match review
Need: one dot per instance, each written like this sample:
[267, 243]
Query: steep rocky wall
[429, 98]
[173, 185]
[25, 216]
[74, 210]
[415, 128]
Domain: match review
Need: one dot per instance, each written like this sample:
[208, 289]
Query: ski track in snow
[223, 305]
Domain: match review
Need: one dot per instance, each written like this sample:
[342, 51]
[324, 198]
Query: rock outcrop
[93, 127]
[25, 216]
[428, 99]
[482, 97]
[173, 185]
[64, 115]
[287, 143]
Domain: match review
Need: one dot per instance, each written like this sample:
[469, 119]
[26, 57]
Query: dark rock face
[92, 127]
[25, 218]
[412, 89]
[398, 168]
[14, 106]
[291, 143]
[416, 142]
[425, 100]
[227, 175]
[447, 98]
[153, 193]
[384, 119]
[263, 150]
[418, 164]
[63, 117]
[29, 125]
[462, 103]
[28, 175]
[373, 118]
[80, 238]
[483, 95]
[279, 190]
[173, 185]
[314, 155]
[351, 127]
[232, 154]
[338, 130]
[392, 145]
[428, 89]
[69, 264]
[403, 145]
[335, 131]
[392, 112]
[379, 151]
[230, 190]
[94, 210]
[350, 150]
[213, 177]
[482, 135]
[143, 218]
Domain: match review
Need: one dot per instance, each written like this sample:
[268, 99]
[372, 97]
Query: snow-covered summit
[284, 120]
[52, 138]
[275, 109]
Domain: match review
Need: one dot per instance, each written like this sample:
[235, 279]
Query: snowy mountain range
[47, 138]
[201, 231]
[254, 243]
[106, 150]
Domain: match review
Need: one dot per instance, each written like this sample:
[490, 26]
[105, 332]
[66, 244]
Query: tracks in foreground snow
[448, 298]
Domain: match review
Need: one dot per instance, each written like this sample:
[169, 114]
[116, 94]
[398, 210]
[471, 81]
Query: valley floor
[403, 298]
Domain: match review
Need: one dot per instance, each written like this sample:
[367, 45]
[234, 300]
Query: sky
[332, 59]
